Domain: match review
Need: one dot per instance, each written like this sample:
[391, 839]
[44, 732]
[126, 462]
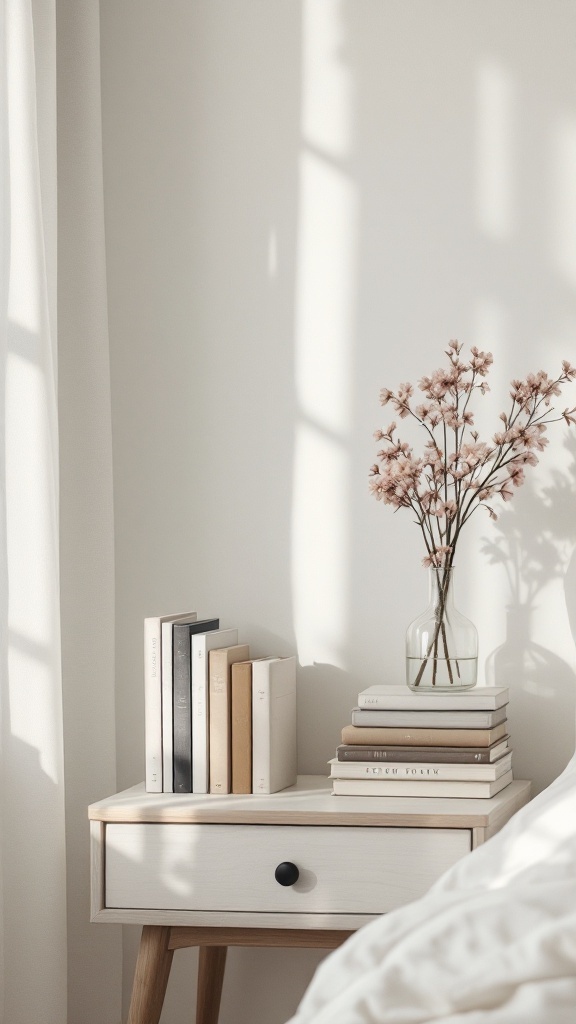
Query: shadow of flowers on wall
[534, 546]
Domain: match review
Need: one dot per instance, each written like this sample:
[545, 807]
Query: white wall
[305, 202]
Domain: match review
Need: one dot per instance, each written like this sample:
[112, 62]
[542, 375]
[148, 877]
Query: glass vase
[441, 644]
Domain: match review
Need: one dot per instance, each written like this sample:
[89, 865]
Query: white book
[274, 752]
[420, 771]
[402, 788]
[201, 644]
[481, 698]
[153, 696]
[440, 718]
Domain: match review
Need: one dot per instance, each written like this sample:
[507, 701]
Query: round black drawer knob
[286, 873]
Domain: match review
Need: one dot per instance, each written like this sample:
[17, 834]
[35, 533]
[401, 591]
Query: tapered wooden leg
[151, 975]
[211, 963]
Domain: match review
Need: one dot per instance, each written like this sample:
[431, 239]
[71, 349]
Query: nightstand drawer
[231, 867]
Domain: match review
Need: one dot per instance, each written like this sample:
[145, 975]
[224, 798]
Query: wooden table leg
[211, 963]
[151, 975]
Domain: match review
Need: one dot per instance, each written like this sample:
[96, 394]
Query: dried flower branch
[458, 473]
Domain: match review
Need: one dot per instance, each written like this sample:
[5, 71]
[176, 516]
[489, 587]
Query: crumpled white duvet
[492, 942]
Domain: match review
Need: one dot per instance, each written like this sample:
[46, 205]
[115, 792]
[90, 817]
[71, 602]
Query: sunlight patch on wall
[324, 311]
[327, 93]
[483, 588]
[496, 108]
[320, 547]
[563, 198]
[325, 294]
[272, 254]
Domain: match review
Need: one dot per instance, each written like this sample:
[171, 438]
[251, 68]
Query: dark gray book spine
[447, 755]
[182, 699]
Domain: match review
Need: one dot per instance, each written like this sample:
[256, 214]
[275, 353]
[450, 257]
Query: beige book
[241, 673]
[423, 737]
[220, 686]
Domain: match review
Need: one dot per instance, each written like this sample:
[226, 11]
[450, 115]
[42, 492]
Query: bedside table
[297, 868]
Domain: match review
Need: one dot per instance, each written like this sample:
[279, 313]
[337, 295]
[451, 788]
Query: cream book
[274, 752]
[153, 696]
[201, 645]
[421, 771]
[402, 788]
[219, 716]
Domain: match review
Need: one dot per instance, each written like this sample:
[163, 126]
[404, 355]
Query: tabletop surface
[309, 802]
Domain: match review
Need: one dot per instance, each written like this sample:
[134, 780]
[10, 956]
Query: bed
[492, 942]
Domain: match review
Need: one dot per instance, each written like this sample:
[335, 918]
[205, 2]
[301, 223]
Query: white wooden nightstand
[297, 868]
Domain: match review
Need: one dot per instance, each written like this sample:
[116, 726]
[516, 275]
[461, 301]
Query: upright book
[458, 755]
[274, 752]
[153, 696]
[182, 700]
[167, 667]
[401, 788]
[416, 719]
[241, 708]
[481, 698]
[219, 675]
[423, 737]
[202, 644]
[416, 771]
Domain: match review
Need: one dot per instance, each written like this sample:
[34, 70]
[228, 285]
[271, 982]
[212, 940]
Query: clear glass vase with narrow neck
[441, 643]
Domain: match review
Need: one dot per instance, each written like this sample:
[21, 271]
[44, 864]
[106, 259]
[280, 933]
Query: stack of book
[402, 743]
[216, 720]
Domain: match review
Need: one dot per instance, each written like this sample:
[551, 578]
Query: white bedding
[492, 942]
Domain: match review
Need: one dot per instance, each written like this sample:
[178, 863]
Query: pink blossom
[450, 417]
[475, 453]
[485, 493]
[401, 407]
[436, 557]
[527, 458]
[450, 509]
[532, 436]
[444, 487]
[516, 474]
[481, 361]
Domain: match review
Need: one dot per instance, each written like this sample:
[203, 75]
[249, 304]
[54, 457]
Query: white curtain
[33, 861]
[56, 585]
